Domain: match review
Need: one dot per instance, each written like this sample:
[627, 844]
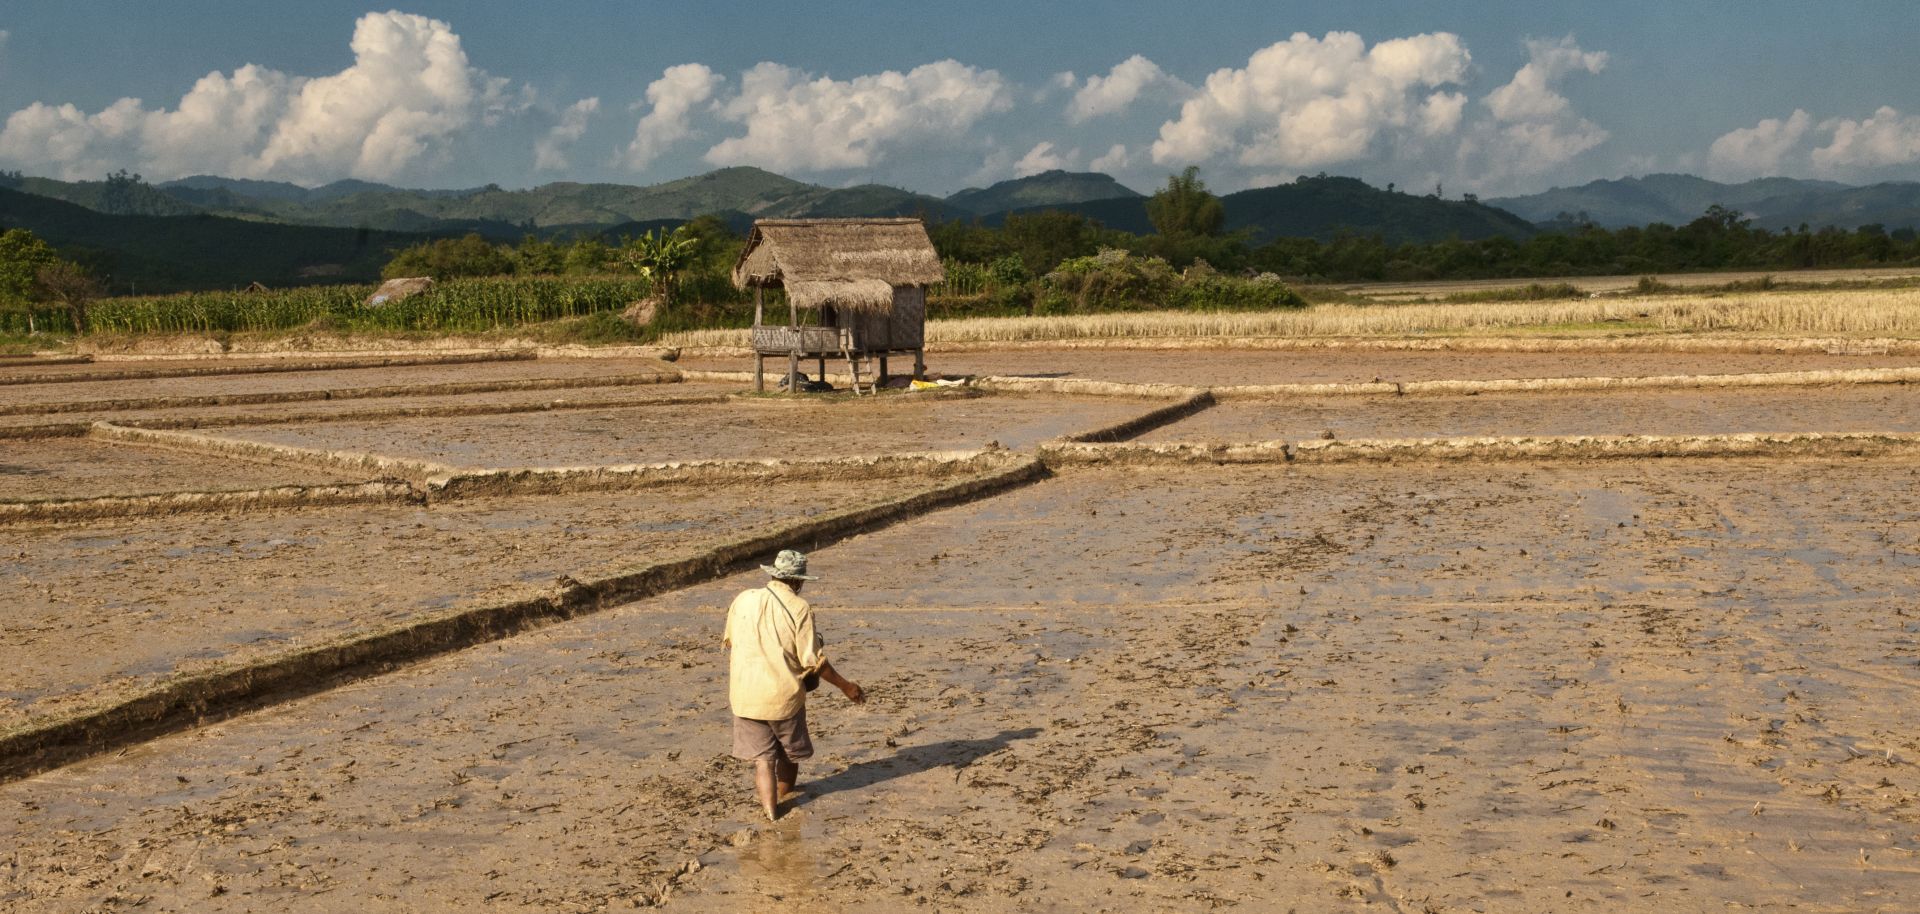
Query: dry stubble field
[1573, 685]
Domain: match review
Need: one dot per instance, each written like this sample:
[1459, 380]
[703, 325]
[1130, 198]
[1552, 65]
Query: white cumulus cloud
[1530, 95]
[1115, 159]
[1116, 91]
[70, 143]
[1761, 149]
[550, 151]
[1311, 101]
[1440, 114]
[1840, 147]
[408, 93]
[796, 121]
[1886, 138]
[1042, 157]
[673, 96]
[1064, 81]
[1534, 127]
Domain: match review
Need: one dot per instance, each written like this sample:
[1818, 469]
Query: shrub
[1114, 280]
[446, 258]
[1111, 280]
[1010, 270]
[1220, 293]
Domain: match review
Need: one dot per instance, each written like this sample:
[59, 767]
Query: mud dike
[271, 551]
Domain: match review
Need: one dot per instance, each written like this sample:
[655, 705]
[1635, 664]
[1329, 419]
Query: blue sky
[1488, 97]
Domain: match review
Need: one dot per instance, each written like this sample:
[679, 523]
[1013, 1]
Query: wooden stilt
[919, 364]
[793, 355]
[883, 372]
[759, 359]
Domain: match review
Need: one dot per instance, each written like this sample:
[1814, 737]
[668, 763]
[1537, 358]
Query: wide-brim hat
[789, 565]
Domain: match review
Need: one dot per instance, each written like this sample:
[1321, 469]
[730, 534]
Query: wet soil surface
[274, 382]
[335, 408]
[1672, 685]
[156, 367]
[737, 429]
[105, 607]
[80, 468]
[1206, 367]
[1856, 408]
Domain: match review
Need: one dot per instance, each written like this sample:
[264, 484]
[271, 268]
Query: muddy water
[1224, 367]
[1859, 408]
[735, 429]
[94, 609]
[82, 468]
[336, 408]
[1571, 687]
[330, 380]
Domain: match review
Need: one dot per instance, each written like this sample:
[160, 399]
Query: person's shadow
[954, 753]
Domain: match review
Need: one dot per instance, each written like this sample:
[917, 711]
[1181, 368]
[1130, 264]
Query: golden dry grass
[1868, 313]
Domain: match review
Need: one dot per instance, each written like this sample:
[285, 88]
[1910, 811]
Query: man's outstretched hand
[852, 689]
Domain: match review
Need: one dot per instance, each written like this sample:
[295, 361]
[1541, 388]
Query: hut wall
[903, 328]
[869, 330]
[908, 321]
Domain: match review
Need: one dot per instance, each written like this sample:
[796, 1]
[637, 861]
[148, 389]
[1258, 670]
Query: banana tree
[661, 258]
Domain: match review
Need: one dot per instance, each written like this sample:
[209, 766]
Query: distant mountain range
[1316, 207]
[236, 231]
[1312, 207]
[1772, 203]
[742, 194]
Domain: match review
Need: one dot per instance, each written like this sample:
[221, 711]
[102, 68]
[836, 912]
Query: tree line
[1188, 228]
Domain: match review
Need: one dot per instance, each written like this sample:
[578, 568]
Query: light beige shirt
[771, 648]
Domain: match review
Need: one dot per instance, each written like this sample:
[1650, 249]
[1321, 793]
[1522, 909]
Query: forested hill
[1324, 208]
[174, 253]
[1048, 188]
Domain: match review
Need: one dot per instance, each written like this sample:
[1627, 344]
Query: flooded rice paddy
[1501, 686]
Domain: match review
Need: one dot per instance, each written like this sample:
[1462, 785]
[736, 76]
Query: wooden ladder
[858, 367]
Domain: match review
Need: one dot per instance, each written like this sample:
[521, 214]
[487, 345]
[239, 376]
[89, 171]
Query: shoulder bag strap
[783, 606]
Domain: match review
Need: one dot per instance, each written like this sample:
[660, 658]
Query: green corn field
[459, 305]
[965, 278]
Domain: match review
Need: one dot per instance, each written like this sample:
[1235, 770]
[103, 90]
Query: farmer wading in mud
[775, 659]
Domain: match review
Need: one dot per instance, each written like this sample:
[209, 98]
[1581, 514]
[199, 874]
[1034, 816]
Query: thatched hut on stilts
[863, 283]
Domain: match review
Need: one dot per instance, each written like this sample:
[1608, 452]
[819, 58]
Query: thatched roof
[851, 263]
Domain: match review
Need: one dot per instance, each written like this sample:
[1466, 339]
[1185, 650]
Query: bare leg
[763, 786]
[785, 773]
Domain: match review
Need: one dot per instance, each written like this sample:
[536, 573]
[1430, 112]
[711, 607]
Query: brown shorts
[760, 740]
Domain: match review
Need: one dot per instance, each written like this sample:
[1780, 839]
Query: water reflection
[780, 864]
